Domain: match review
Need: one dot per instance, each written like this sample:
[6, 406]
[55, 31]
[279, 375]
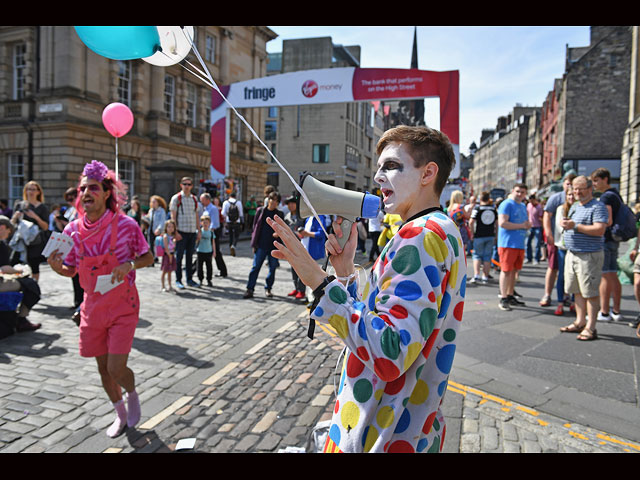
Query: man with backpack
[186, 212]
[232, 211]
[610, 284]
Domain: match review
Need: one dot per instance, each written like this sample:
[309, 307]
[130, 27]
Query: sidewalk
[241, 376]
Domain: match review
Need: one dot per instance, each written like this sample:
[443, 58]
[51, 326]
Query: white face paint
[399, 180]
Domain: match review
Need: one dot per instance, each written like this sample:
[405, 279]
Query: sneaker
[473, 280]
[484, 280]
[546, 301]
[292, 293]
[514, 301]
[603, 318]
[179, 284]
[233, 251]
[516, 294]
[268, 293]
[209, 283]
[616, 317]
[248, 294]
[191, 283]
[635, 323]
[504, 305]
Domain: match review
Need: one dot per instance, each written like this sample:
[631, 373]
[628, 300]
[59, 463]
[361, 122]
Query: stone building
[630, 158]
[53, 90]
[595, 102]
[501, 158]
[336, 142]
[549, 132]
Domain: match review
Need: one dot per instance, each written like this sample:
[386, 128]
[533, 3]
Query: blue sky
[499, 66]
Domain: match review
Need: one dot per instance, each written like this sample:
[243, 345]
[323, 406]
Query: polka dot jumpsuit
[401, 339]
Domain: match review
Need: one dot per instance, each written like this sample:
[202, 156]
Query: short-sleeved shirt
[485, 217]
[535, 214]
[552, 205]
[517, 213]
[592, 212]
[205, 245]
[612, 198]
[131, 242]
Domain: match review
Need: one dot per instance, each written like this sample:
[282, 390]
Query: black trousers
[204, 259]
[222, 267]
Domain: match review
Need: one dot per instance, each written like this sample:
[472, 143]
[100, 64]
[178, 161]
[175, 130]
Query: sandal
[590, 335]
[573, 328]
[545, 302]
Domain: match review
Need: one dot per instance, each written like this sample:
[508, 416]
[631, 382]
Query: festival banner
[334, 85]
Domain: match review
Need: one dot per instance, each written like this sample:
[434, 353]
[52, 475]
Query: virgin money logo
[309, 88]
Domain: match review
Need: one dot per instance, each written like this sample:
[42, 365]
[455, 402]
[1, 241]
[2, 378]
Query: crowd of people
[571, 230]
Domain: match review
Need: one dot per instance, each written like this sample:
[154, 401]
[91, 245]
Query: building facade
[53, 90]
[630, 157]
[333, 142]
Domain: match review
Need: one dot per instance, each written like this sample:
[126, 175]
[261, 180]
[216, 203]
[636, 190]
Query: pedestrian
[169, 263]
[535, 213]
[21, 281]
[363, 234]
[135, 210]
[460, 217]
[483, 229]
[157, 216]
[185, 212]
[250, 208]
[584, 238]
[296, 224]
[5, 209]
[218, 228]
[206, 250]
[232, 211]
[513, 223]
[562, 212]
[313, 238]
[552, 277]
[375, 229]
[400, 338]
[636, 280]
[33, 209]
[610, 287]
[107, 243]
[262, 243]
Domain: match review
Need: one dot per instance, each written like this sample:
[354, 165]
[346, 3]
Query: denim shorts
[610, 264]
[483, 248]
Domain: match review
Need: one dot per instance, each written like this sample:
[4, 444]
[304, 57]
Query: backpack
[624, 225]
[233, 213]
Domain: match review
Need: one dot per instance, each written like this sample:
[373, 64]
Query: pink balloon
[117, 119]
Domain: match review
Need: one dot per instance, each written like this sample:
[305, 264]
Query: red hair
[116, 200]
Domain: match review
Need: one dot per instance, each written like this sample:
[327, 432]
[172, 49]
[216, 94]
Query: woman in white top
[558, 239]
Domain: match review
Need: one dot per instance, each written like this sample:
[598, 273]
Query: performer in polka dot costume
[400, 335]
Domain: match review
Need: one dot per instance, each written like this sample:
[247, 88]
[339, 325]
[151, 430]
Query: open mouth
[386, 193]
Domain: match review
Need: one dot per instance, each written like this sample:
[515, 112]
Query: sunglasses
[93, 188]
[187, 184]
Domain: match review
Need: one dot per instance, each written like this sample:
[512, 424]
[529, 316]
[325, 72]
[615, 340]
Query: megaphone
[330, 200]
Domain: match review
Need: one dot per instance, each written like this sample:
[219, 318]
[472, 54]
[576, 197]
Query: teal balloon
[121, 43]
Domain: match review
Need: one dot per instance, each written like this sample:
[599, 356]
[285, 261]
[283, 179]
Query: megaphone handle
[345, 226]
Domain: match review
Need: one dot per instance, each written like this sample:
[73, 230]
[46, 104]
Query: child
[206, 250]
[169, 259]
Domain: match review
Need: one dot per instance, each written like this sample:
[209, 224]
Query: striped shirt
[592, 212]
[131, 242]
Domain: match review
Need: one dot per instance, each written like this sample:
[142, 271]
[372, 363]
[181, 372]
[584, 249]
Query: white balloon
[176, 44]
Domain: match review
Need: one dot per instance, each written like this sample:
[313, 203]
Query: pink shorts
[109, 332]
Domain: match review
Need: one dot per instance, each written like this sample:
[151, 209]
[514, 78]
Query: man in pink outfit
[107, 243]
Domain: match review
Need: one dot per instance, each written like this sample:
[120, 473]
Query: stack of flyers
[60, 242]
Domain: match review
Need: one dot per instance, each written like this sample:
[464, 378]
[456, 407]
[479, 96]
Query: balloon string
[213, 84]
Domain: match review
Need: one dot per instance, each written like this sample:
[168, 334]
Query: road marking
[506, 406]
[257, 346]
[156, 419]
[220, 373]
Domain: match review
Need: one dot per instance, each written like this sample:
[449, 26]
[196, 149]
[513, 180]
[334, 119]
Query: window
[207, 109]
[210, 49]
[124, 82]
[19, 68]
[16, 177]
[126, 172]
[321, 153]
[272, 112]
[270, 130]
[169, 96]
[192, 102]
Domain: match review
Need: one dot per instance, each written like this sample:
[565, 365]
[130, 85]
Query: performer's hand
[290, 248]
[121, 271]
[55, 261]
[342, 258]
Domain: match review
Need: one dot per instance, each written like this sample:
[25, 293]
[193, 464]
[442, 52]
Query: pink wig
[98, 171]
